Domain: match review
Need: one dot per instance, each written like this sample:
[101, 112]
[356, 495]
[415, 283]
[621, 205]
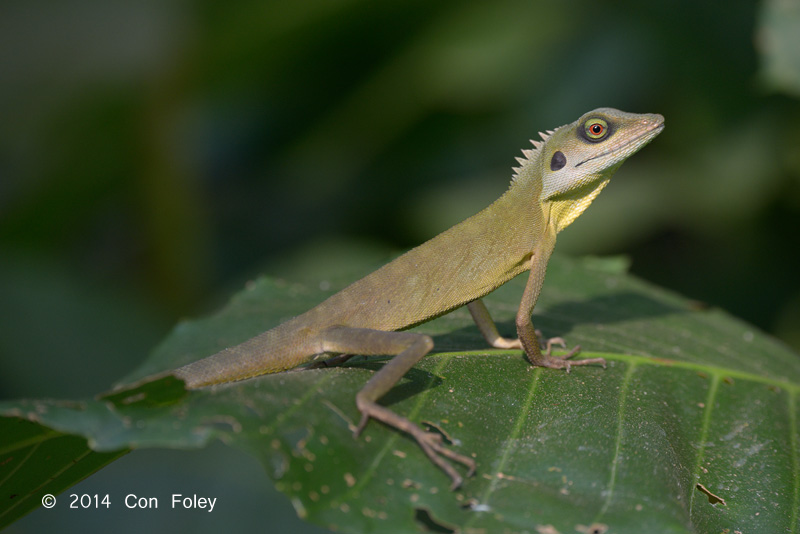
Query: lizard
[555, 182]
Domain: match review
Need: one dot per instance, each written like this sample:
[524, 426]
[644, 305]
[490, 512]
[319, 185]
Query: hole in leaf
[426, 520]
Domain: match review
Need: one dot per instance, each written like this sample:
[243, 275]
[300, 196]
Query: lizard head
[576, 161]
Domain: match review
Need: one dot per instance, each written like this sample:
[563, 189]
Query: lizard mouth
[650, 131]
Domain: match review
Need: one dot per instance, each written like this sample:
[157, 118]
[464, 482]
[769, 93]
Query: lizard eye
[596, 129]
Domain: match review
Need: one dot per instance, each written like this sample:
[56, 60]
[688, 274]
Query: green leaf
[691, 396]
[36, 461]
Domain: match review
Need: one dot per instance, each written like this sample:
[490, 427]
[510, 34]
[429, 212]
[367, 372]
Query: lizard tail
[272, 351]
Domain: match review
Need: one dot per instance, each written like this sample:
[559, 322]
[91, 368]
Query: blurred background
[155, 155]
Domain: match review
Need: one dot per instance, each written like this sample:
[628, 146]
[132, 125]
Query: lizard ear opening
[558, 161]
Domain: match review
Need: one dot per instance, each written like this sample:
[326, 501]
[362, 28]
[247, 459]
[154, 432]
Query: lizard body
[555, 183]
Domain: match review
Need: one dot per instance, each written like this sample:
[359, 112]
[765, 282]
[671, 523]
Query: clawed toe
[433, 445]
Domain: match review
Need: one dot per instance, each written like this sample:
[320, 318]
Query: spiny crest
[529, 154]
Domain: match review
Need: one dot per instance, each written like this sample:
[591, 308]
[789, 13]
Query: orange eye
[596, 129]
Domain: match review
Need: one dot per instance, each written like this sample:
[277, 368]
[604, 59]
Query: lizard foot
[430, 442]
[563, 362]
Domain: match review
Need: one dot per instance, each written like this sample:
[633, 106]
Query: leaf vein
[701, 442]
[513, 435]
[623, 401]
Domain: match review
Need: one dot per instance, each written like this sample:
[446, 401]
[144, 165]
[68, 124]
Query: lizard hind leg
[408, 348]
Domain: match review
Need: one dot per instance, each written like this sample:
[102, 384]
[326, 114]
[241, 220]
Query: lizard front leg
[527, 333]
[408, 348]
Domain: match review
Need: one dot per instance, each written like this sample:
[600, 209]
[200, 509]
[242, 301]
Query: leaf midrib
[513, 434]
[632, 359]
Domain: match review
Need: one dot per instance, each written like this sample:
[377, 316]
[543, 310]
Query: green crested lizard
[555, 182]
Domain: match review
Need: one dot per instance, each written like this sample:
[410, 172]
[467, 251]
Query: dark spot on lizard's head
[558, 161]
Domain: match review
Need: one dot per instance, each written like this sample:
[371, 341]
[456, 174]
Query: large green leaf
[691, 397]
